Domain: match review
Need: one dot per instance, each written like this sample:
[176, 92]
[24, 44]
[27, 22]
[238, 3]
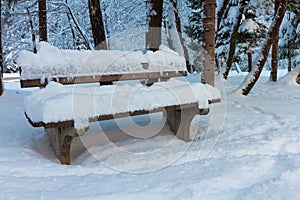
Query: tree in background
[224, 27]
[209, 24]
[290, 35]
[97, 25]
[195, 27]
[234, 37]
[42, 6]
[251, 33]
[201, 30]
[175, 37]
[154, 19]
[274, 62]
[252, 77]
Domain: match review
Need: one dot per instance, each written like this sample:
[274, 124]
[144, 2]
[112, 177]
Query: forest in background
[69, 27]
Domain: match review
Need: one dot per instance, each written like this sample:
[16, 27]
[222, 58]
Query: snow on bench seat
[58, 103]
[50, 63]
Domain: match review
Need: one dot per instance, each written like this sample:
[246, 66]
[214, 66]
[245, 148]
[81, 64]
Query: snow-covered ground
[256, 155]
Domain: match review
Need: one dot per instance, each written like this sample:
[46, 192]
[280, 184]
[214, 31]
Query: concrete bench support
[60, 140]
[180, 120]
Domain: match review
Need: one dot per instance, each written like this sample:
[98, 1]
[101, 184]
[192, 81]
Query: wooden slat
[121, 115]
[103, 78]
[111, 116]
[214, 101]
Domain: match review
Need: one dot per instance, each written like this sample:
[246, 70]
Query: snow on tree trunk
[177, 39]
[154, 19]
[97, 24]
[209, 42]
[275, 51]
[234, 35]
[43, 20]
[252, 77]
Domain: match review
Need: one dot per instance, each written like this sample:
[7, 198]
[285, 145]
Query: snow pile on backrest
[57, 103]
[51, 62]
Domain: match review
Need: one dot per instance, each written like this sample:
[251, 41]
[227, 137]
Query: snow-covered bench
[65, 112]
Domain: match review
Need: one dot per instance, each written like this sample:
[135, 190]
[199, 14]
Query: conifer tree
[290, 35]
[250, 35]
[252, 77]
[195, 28]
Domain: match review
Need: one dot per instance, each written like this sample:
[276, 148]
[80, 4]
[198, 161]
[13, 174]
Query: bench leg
[180, 121]
[60, 140]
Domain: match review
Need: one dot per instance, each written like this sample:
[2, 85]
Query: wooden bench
[62, 132]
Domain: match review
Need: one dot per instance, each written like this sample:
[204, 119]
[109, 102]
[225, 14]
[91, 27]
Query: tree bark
[71, 28]
[154, 16]
[221, 13]
[43, 20]
[97, 24]
[274, 62]
[233, 39]
[249, 62]
[179, 31]
[209, 42]
[252, 77]
[289, 61]
[33, 37]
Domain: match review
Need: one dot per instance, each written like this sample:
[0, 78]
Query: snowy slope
[255, 156]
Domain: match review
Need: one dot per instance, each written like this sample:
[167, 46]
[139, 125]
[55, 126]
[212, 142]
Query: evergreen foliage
[195, 27]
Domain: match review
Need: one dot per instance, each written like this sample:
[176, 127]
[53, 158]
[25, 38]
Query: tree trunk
[234, 35]
[43, 20]
[1, 84]
[249, 62]
[289, 61]
[221, 12]
[97, 25]
[71, 28]
[274, 63]
[1, 57]
[154, 16]
[33, 37]
[209, 42]
[79, 28]
[179, 31]
[252, 77]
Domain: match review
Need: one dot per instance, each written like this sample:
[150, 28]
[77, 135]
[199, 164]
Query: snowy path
[256, 156]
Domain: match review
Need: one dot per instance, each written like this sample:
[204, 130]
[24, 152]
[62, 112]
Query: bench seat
[57, 104]
[65, 112]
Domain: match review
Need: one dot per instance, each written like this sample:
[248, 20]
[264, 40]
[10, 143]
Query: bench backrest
[153, 76]
[73, 66]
